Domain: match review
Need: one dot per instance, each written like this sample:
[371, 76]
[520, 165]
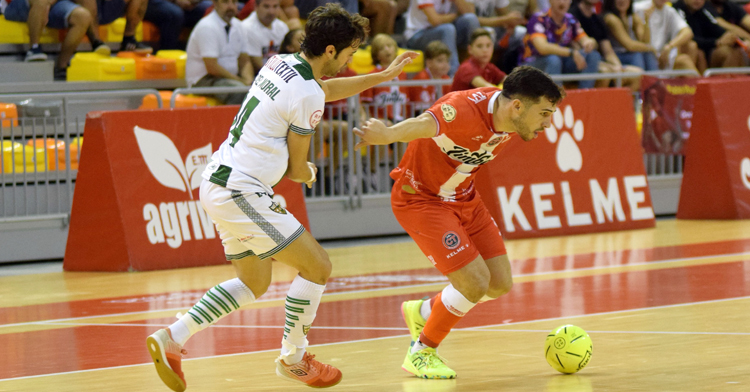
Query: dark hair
[529, 83]
[436, 48]
[480, 32]
[332, 25]
[609, 6]
[287, 41]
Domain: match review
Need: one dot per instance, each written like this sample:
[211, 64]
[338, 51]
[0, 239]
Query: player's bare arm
[299, 169]
[340, 88]
[375, 132]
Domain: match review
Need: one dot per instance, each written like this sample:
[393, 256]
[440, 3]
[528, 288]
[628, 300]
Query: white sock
[426, 308]
[418, 345]
[301, 305]
[218, 302]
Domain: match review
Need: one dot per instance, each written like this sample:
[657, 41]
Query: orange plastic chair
[8, 115]
[151, 67]
[182, 101]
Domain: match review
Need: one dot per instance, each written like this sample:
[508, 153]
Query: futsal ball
[568, 349]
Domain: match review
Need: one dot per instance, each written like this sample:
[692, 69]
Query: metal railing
[726, 71]
[205, 91]
[40, 155]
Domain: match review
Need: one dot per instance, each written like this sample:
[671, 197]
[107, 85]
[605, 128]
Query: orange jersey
[424, 96]
[445, 165]
[390, 102]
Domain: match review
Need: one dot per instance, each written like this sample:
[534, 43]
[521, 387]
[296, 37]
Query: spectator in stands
[448, 21]
[711, 33]
[60, 14]
[381, 13]
[477, 71]
[437, 64]
[630, 35]
[496, 16]
[171, 16]
[292, 41]
[556, 44]
[593, 25]
[107, 11]
[218, 54]
[732, 13]
[670, 36]
[264, 32]
[386, 102]
[500, 21]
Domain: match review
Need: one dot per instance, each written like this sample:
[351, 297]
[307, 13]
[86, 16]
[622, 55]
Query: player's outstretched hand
[314, 171]
[373, 132]
[397, 66]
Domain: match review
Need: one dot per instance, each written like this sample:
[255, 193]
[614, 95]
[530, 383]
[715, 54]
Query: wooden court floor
[668, 309]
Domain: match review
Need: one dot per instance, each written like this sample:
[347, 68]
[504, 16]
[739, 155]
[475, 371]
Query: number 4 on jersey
[241, 118]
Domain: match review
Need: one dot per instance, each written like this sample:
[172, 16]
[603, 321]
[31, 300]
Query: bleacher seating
[94, 67]
[362, 61]
[151, 67]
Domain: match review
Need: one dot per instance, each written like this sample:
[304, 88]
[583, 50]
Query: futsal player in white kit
[270, 138]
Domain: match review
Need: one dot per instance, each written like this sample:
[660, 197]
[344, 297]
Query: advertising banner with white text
[584, 174]
[136, 204]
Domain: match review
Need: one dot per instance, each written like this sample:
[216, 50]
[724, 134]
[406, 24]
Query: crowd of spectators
[230, 41]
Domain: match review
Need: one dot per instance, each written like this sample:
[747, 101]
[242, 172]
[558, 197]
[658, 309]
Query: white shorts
[249, 223]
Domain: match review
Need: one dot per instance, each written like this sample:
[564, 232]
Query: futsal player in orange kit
[435, 201]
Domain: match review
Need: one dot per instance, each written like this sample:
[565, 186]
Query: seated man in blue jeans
[62, 14]
[556, 44]
[171, 16]
[107, 11]
[448, 21]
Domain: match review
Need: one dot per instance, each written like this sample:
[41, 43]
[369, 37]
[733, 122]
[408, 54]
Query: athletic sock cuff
[455, 302]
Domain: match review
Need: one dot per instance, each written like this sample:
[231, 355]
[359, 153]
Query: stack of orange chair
[151, 67]
[182, 101]
[8, 115]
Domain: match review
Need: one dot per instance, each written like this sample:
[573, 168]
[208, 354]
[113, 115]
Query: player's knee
[319, 270]
[500, 287]
[475, 287]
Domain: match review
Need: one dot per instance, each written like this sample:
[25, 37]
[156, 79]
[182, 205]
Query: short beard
[522, 129]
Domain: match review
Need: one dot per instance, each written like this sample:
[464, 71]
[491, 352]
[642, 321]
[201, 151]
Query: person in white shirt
[218, 53]
[448, 21]
[268, 140]
[670, 35]
[264, 31]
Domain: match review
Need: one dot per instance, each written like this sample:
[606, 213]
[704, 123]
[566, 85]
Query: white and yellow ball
[568, 349]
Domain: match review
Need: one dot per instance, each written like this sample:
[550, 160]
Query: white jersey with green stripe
[285, 97]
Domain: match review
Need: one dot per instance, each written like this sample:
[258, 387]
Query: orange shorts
[450, 234]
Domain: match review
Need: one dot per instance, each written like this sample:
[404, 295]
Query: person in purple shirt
[556, 44]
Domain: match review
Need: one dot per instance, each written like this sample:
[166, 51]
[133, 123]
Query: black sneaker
[35, 54]
[61, 74]
[129, 44]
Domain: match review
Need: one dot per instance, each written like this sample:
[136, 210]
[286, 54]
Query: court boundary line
[146, 312]
[382, 338]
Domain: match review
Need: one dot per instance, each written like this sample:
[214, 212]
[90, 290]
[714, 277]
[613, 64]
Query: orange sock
[439, 324]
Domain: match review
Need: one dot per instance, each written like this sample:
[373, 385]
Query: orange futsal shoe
[309, 372]
[167, 356]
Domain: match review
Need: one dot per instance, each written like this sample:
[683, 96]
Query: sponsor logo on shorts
[451, 240]
[246, 239]
[277, 208]
[432, 259]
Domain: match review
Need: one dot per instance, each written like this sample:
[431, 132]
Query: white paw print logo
[745, 165]
[568, 154]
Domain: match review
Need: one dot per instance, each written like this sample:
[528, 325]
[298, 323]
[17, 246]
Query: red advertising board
[136, 204]
[584, 174]
[716, 179]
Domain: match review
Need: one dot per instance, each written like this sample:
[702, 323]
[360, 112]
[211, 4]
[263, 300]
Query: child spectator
[292, 41]
[437, 65]
[629, 35]
[478, 71]
[387, 102]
